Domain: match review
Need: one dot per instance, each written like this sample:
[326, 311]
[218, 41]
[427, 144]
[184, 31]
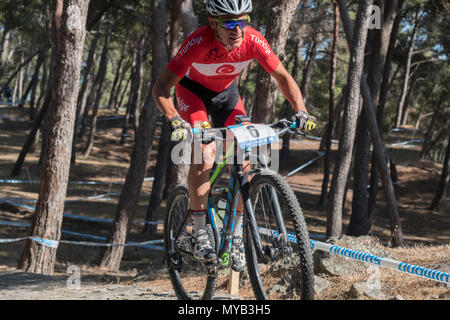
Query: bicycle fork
[283, 248]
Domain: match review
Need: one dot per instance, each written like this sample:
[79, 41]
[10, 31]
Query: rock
[321, 285]
[336, 265]
[278, 288]
[363, 290]
[445, 295]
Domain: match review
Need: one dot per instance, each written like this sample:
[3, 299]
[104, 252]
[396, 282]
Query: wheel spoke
[271, 194]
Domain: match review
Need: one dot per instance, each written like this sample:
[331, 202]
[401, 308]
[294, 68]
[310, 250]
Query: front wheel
[190, 278]
[291, 266]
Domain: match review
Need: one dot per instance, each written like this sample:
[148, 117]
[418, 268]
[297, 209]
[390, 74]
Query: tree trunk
[47, 220]
[45, 96]
[359, 225]
[175, 20]
[177, 173]
[343, 161]
[118, 72]
[44, 128]
[329, 129]
[431, 127]
[189, 21]
[277, 32]
[6, 83]
[308, 69]
[443, 182]
[135, 91]
[163, 156]
[287, 109]
[339, 113]
[380, 153]
[401, 102]
[98, 87]
[388, 38]
[112, 256]
[122, 96]
[82, 95]
[376, 51]
[406, 108]
[117, 94]
[159, 177]
[34, 80]
[43, 106]
[4, 45]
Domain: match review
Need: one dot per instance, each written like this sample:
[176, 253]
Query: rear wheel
[290, 273]
[190, 278]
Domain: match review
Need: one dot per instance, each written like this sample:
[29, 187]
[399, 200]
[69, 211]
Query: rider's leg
[192, 109]
[198, 181]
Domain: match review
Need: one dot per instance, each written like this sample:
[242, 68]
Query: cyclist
[203, 73]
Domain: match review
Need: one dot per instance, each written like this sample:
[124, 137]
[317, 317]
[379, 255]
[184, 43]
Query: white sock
[237, 219]
[198, 220]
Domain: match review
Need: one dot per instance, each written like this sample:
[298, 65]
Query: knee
[203, 155]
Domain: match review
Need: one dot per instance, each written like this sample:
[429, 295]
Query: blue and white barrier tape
[11, 103]
[369, 258]
[405, 143]
[385, 262]
[55, 243]
[73, 216]
[320, 139]
[402, 129]
[11, 240]
[16, 181]
[321, 154]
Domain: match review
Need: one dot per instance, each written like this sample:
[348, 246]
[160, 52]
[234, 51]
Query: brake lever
[297, 132]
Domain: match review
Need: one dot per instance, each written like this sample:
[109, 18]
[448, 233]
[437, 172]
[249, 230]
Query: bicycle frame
[239, 183]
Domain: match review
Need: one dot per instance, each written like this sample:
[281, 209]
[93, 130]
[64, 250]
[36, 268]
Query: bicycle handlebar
[208, 135]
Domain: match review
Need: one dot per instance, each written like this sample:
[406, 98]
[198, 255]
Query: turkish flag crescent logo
[226, 68]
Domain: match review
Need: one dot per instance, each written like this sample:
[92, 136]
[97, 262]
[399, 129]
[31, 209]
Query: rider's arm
[289, 88]
[161, 93]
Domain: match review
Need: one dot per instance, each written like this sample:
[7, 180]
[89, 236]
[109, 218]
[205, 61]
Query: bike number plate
[253, 135]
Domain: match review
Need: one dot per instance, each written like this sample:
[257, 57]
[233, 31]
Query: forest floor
[426, 233]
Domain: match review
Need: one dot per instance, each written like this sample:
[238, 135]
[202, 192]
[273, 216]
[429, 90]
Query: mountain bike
[274, 230]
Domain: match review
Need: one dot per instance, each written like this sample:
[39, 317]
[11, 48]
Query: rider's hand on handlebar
[304, 121]
[181, 130]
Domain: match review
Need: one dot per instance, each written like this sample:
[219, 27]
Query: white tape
[15, 181]
[369, 258]
[385, 262]
[405, 143]
[46, 242]
[54, 243]
[321, 154]
[11, 240]
[72, 216]
[320, 139]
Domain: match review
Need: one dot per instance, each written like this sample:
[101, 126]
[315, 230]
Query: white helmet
[225, 7]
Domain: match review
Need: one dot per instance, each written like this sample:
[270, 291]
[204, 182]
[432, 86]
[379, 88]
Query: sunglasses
[230, 24]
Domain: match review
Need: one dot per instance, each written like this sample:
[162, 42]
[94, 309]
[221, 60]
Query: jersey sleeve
[263, 52]
[190, 49]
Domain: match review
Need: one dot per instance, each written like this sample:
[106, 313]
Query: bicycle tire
[295, 224]
[186, 274]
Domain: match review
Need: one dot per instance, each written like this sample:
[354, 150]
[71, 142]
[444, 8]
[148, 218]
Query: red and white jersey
[205, 60]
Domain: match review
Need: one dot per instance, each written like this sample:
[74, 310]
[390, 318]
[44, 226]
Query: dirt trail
[109, 162]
